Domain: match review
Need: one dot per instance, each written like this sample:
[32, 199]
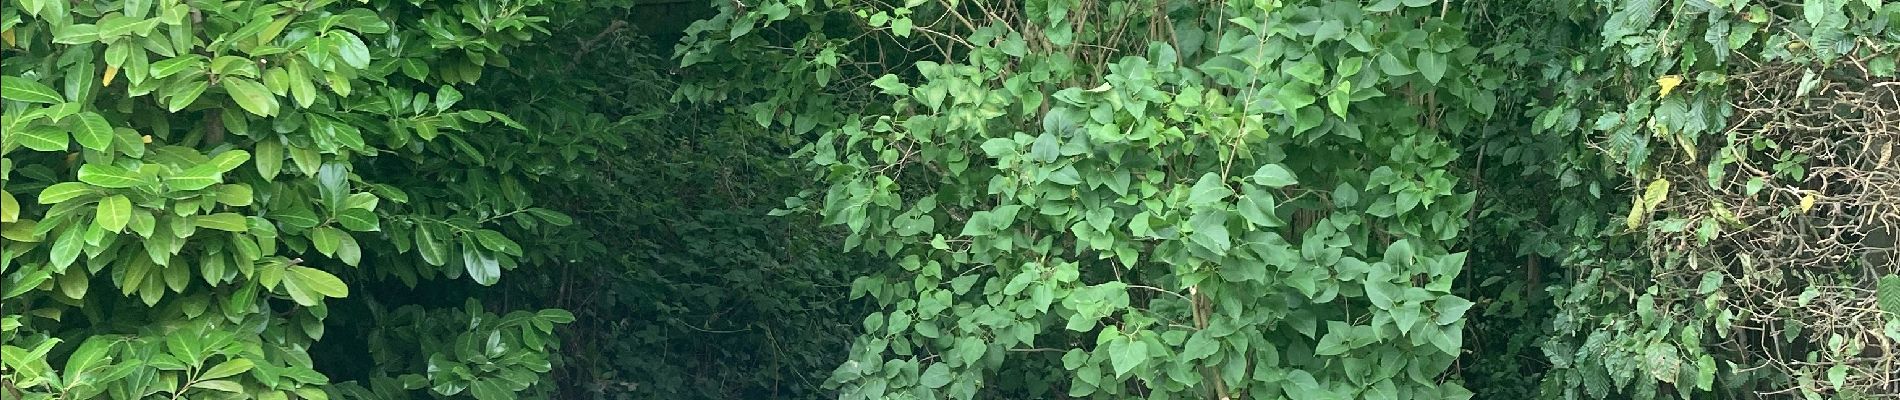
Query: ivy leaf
[1399, 253]
[1340, 98]
[1383, 6]
[1308, 71]
[1382, 293]
[113, 213]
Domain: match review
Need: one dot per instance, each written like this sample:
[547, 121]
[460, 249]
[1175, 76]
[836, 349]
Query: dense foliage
[1305, 199]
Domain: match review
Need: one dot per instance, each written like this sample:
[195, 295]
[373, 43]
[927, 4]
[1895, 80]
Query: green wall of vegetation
[872, 199]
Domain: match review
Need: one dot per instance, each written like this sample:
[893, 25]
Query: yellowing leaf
[1668, 84]
[1635, 218]
[1657, 192]
[1807, 201]
[112, 71]
[9, 207]
[7, 35]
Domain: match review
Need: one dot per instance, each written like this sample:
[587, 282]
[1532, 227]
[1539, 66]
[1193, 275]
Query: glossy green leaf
[228, 222]
[109, 176]
[113, 213]
[251, 96]
[22, 89]
[92, 131]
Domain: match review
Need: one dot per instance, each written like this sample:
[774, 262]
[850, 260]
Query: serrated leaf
[1655, 194]
[1711, 281]
[1888, 295]
[1668, 84]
